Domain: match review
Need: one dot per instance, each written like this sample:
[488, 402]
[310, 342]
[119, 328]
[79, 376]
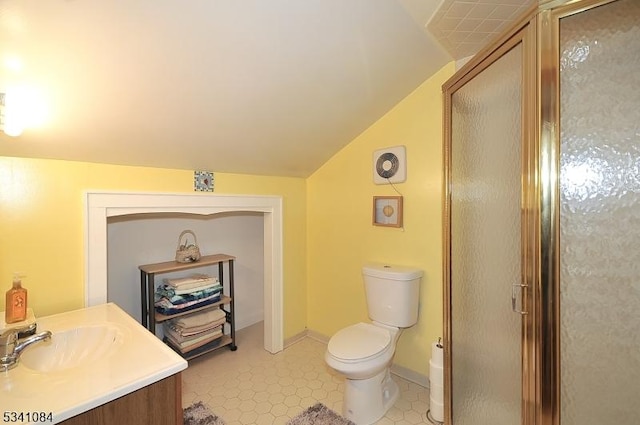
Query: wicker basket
[187, 253]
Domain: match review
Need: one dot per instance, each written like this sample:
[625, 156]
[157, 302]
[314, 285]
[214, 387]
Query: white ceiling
[244, 86]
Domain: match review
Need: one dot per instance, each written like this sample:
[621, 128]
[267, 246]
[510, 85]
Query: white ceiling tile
[459, 9]
[489, 25]
[503, 12]
[459, 36]
[480, 17]
[481, 11]
[517, 2]
[469, 24]
[448, 24]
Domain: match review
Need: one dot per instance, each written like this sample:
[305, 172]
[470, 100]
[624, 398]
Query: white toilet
[363, 352]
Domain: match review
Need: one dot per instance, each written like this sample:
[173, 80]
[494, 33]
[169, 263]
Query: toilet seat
[359, 342]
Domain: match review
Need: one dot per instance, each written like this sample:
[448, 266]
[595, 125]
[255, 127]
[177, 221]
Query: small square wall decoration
[387, 211]
[203, 181]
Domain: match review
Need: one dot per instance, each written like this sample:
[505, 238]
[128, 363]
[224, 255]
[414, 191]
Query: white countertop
[138, 359]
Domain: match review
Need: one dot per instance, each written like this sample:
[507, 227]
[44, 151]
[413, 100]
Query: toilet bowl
[363, 352]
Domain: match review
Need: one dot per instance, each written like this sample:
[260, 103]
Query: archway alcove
[102, 205]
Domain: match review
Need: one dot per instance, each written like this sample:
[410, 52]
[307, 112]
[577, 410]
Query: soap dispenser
[16, 305]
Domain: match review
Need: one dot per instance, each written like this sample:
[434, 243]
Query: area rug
[199, 414]
[319, 414]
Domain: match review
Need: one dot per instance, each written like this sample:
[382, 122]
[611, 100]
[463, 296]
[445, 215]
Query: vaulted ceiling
[273, 87]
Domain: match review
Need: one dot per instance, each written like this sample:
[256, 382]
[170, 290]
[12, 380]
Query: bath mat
[199, 414]
[319, 414]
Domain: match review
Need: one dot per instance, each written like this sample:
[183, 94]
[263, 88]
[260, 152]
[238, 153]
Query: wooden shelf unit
[150, 316]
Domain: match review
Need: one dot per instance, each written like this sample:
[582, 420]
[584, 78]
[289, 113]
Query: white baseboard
[318, 336]
[401, 371]
[247, 320]
[410, 375]
[296, 338]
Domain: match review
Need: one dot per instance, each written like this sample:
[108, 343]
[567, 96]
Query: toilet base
[368, 400]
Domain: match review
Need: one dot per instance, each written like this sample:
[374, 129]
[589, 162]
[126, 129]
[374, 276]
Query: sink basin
[96, 354]
[73, 348]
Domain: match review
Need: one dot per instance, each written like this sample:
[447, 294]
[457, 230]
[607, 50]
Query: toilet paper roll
[437, 410]
[436, 374]
[437, 354]
[436, 393]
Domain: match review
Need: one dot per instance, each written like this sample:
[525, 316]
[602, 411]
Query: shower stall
[542, 221]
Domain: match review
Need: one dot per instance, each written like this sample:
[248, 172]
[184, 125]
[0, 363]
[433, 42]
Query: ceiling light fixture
[11, 121]
[1, 111]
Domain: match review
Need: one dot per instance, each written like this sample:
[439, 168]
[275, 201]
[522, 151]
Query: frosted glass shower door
[600, 215]
[485, 169]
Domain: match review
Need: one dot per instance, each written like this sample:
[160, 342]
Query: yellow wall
[341, 237]
[41, 225]
[328, 234]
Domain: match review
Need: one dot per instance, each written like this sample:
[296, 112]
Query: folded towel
[185, 344]
[209, 342]
[171, 291]
[199, 318]
[199, 329]
[165, 291]
[192, 281]
[165, 307]
[193, 329]
[182, 339]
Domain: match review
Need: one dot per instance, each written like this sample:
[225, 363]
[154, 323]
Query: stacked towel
[194, 330]
[195, 281]
[188, 293]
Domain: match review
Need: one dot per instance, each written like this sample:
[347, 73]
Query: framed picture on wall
[387, 211]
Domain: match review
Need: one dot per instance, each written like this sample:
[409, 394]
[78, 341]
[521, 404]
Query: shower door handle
[514, 293]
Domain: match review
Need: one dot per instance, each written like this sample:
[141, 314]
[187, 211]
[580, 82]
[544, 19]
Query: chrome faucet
[11, 344]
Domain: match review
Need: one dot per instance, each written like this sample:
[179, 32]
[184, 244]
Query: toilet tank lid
[389, 271]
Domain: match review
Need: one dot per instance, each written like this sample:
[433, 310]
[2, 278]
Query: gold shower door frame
[539, 32]
[548, 326]
[523, 33]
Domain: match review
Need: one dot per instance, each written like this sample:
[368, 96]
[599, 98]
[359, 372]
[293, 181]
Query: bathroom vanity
[158, 404]
[100, 367]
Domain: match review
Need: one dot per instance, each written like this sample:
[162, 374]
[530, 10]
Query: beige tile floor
[252, 386]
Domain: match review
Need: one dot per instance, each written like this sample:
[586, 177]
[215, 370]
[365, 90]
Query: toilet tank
[392, 294]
